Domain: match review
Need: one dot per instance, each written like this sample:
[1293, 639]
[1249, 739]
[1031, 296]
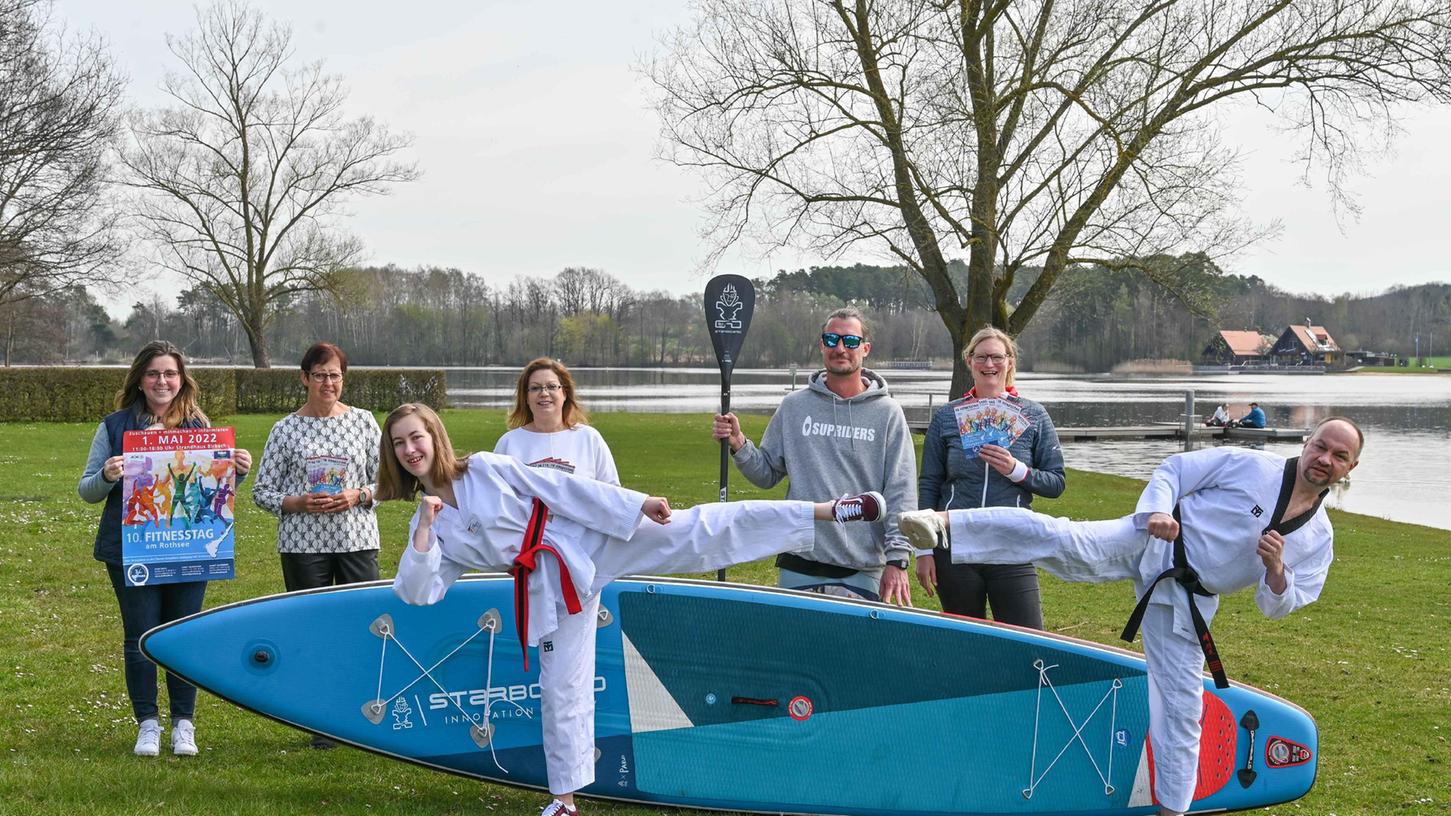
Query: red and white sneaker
[558, 808]
[861, 507]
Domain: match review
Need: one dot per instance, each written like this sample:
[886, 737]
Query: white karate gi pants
[702, 538]
[1095, 552]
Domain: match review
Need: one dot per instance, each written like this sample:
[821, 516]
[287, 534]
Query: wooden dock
[918, 418]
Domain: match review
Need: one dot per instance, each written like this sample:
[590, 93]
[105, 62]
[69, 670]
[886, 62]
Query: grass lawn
[1370, 660]
[1434, 365]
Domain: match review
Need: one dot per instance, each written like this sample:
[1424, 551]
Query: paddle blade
[729, 302]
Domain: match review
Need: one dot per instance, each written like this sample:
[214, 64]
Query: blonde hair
[572, 412]
[186, 405]
[396, 483]
[993, 333]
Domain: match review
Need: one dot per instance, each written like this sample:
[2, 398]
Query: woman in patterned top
[318, 475]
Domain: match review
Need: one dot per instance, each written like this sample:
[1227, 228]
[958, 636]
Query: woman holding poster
[318, 474]
[158, 393]
[992, 448]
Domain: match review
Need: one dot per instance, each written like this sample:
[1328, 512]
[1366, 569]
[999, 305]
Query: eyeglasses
[984, 359]
[552, 388]
[325, 376]
[851, 341]
[162, 375]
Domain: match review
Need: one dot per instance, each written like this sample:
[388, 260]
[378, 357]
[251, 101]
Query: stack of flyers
[989, 421]
[327, 474]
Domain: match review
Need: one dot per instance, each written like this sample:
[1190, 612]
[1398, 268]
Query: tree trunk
[258, 343]
[961, 374]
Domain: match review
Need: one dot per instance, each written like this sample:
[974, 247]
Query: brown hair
[320, 353]
[572, 413]
[184, 406]
[849, 313]
[396, 483]
[993, 333]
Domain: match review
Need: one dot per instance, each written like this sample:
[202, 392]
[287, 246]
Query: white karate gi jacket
[1226, 498]
[486, 532]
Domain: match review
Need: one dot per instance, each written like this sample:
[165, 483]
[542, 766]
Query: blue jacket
[949, 480]
[1254, 419]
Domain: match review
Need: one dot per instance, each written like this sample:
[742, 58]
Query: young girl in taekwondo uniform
[490, 512]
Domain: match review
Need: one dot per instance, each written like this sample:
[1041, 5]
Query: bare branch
[238, 182]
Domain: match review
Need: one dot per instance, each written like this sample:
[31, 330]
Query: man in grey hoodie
[841, 435]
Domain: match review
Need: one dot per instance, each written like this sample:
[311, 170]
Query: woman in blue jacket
[158, 393]
[996, 477]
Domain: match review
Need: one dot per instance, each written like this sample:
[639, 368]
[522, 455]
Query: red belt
[524, 565]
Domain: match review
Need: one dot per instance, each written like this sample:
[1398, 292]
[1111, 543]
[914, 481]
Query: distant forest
[1096, 319]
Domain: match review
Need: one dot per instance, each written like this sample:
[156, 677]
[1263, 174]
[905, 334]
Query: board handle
[756, 701]
[1251, 723]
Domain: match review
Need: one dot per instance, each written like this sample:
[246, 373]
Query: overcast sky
[537, 147]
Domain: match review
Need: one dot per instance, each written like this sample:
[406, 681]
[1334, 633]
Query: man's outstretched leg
[1091, 551]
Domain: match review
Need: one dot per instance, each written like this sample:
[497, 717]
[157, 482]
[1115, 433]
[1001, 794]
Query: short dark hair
[320, 353]
[849, 313]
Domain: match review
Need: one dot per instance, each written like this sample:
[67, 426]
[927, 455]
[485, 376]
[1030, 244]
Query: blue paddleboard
[742, 698]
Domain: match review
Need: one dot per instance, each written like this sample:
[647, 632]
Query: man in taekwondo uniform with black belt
[1213, 521]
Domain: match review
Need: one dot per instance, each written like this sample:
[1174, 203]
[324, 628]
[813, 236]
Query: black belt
[1186, 577]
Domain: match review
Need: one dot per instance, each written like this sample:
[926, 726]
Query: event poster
[178, 505]
[989, 422]
[327, 474]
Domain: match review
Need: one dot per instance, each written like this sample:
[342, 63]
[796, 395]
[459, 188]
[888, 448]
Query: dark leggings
[313, 570]
[1012, 589]
[144, 608]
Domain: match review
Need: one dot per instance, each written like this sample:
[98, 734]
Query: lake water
[1403, 472]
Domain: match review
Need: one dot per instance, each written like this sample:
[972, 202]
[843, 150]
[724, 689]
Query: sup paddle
[729, 302]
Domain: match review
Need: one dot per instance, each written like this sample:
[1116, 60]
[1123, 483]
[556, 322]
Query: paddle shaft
[725, 447]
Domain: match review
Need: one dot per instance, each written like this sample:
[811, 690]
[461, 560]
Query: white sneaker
[924, 528]
[183, 738]
[558, 808]
[148, 738]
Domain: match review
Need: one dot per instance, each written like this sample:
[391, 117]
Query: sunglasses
[851, 341]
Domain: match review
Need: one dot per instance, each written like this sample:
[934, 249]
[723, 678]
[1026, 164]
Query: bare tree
[240, 178]
[1021, 132]
[58, 100]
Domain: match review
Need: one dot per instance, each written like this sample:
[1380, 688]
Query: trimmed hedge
[280, 390]
[85, 394]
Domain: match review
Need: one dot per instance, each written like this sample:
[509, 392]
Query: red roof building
[1306, 344]
[1237, 348]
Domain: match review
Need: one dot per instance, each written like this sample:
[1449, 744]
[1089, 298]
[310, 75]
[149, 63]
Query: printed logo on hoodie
[809, 428]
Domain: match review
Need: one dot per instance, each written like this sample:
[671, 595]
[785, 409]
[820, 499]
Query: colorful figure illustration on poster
[989, 422]
[179, 495]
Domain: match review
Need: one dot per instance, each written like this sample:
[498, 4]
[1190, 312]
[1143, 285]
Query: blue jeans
[144, 608]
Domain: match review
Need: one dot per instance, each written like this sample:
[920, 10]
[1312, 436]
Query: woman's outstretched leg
[713, 536]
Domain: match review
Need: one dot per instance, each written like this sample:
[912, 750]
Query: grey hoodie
[830, 447]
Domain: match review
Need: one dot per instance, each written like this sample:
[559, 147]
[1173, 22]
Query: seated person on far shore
[1255, 418]
[1221, 417]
